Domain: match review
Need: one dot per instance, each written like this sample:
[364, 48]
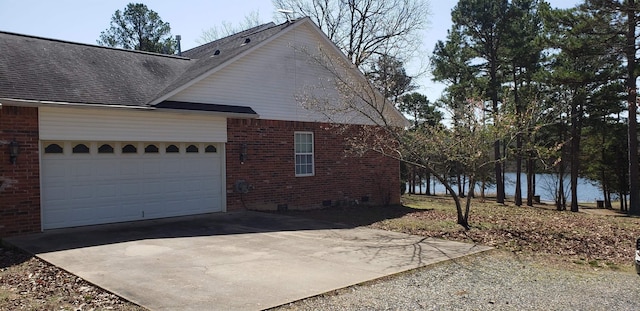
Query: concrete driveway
[232, 261]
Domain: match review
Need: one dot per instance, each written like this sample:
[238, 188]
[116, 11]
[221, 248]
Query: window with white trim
[304, 153]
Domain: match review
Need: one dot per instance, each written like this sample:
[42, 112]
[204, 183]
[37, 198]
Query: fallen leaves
[533, 231]
[27, 283]
[606, 239]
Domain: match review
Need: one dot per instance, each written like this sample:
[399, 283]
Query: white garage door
[85, 183]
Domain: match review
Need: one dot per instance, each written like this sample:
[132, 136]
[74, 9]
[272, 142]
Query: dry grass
[540, 233]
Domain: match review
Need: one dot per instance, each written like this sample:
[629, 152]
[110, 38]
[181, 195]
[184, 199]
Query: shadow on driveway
[178, 227]
[233, 261]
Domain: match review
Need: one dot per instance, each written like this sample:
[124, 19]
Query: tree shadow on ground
[354, 216]
[11, 256]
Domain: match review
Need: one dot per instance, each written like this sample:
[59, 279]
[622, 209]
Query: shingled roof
[41, 69]
[51, 70]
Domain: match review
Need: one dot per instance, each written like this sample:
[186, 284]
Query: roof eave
[43, 103]
[231, 115]
[40, 103]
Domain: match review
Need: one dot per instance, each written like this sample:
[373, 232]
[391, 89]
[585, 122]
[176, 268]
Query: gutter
[45, 103]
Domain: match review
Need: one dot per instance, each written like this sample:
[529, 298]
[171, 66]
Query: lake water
[545, 188]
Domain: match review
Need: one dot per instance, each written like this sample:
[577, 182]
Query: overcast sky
[83, 20]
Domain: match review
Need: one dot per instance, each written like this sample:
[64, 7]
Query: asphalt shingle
[50, 70]
[42, 69]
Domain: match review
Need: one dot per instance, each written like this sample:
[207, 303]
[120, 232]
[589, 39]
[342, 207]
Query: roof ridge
[91, 45]
[247, 32]
[253, 30]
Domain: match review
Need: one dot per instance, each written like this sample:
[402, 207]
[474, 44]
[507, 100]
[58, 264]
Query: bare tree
[348, 98]
[363, 29]
[226, 28]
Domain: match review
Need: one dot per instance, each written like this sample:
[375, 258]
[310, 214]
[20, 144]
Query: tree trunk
[630, 51]
[463, 219]
[496, 145]
[518, 193]
[472, 184]
[560, 204]
[464, 184]
[413, 180]
[530, 181]
[576, 117]
[459, 179]
[504, 168]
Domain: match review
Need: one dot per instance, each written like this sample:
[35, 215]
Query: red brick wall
[20, 199]
[270, 171]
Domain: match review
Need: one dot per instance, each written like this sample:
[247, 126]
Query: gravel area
[495, 280]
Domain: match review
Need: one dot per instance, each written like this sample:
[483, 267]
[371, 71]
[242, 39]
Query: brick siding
[20, 198]
[269, 168]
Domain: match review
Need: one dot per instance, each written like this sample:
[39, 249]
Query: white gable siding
[129, 125]
[268, 79]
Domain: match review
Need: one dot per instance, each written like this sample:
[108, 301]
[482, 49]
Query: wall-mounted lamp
[243, 153]
[14, 150]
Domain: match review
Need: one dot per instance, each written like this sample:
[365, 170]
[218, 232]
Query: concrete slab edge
[8, 244]
[336, 291]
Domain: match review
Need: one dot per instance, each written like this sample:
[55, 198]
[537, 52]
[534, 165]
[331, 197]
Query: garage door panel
[129, 189]
[209, 166]
[173, 187]
[106, 167]
[152, 167]
[129, 167]
[106, 191]
[82, 168]
[56, 170]
[86, 189]
[55, 192]
[151, 188]
[82, 191]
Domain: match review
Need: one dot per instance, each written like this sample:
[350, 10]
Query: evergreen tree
[389, 76]
[483, 25]
[621, 34]
[522, 58]
[584, 66]
[139, 28]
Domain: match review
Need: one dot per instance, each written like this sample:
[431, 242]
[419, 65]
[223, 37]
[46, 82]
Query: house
[103, 135]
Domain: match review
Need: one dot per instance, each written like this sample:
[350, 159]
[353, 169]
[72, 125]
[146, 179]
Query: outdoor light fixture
[243, 153]
[14, 149]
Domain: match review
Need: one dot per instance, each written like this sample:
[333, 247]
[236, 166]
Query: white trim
[57, 123]
[39, 103]
[46, 103]
[295, 154]
[223, 175]
[40, 181]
